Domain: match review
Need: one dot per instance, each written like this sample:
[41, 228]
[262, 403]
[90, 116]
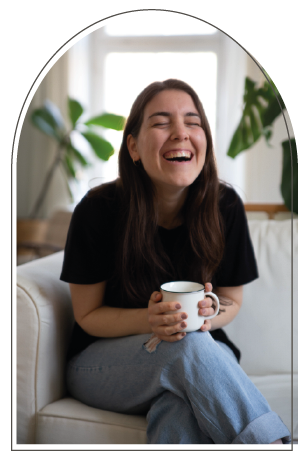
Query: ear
[132, 148]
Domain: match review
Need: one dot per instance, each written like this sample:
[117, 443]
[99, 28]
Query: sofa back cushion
[263, 328]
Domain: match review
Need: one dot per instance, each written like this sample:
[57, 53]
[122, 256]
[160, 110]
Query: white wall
[36, 151]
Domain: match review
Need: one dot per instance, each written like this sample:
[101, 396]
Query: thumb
[156, 296]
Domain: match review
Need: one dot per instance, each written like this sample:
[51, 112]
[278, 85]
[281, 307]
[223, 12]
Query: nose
[179, 131]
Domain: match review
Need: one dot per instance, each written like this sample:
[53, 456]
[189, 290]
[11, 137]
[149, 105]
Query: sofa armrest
[44, 325]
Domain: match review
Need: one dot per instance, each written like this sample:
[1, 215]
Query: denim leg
[172, 421]
[119, 374]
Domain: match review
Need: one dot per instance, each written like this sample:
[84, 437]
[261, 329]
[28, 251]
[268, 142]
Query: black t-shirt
[92, 241]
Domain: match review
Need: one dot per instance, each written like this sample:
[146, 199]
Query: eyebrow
[168, 114]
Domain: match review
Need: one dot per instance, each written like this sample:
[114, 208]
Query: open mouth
[178, 156]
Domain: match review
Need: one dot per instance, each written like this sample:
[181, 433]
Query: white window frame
[231, 71]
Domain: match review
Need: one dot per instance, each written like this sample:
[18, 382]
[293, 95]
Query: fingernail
[183, 325]
[157, 294]
[203, 303]
[184, 316]
[183, 334]
[178, 306]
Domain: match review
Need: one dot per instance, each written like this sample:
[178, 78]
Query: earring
[137, 163]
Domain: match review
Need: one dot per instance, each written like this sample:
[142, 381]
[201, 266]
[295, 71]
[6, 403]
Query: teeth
[177, 154]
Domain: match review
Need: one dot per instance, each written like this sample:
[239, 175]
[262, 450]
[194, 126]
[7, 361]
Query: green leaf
[103, 149]
[255, 125]
[55, 116]
[267, 134]
[236, 143]
[69, 166]
[77, 155]
[260, 110]
[287, 172]
[48, 119]
[108, 120]
[41, 120]
[245, 135]
[272, 111]
[75, 110]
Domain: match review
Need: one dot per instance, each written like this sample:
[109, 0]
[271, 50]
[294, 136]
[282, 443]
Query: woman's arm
[230, 303]
[108, 322]
[96, 319]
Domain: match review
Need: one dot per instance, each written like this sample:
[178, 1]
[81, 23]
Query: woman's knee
[194, 347]
[198, 342]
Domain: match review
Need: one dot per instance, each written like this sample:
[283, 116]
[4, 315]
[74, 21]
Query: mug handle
[217, 307]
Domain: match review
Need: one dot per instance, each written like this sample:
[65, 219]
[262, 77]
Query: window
[135, 49]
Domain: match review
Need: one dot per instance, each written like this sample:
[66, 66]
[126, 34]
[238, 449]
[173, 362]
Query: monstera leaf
[262, 105]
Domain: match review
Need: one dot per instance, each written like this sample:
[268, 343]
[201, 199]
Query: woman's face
[171, 143]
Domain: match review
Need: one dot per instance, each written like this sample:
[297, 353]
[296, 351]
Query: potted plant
[262, 105]
[49, 120]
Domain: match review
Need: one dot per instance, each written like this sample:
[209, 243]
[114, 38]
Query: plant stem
[47, 182]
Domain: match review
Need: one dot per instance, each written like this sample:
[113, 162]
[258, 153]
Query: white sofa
[262, 330]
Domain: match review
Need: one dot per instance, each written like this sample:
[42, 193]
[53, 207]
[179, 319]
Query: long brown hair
[141, 261]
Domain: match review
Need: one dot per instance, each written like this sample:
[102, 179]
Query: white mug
[188, 294]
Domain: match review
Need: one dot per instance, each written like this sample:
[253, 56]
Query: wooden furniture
[39, 238]
[270, 209]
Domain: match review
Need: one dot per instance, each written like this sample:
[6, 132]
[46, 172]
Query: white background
[273, 31]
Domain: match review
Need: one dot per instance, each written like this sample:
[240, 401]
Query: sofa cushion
[72, 422]
[262, 329]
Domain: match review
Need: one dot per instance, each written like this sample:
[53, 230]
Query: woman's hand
[167, 327]
[206, 309]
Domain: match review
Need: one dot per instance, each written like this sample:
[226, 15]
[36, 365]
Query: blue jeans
[193, 391]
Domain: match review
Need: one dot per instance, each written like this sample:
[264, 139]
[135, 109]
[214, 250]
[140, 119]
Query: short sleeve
[238, 266]
[89, 247]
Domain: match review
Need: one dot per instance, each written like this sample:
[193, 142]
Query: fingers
[172, 338]
[156, 296]
[206, 326]
[205, 307]
[170, 333]
[157, 307]
[165, 318]
[168, 324]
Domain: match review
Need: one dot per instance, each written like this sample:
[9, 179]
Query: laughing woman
[167, 217]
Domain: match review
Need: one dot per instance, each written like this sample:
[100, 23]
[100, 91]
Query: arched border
[185, 14]
[134, 11]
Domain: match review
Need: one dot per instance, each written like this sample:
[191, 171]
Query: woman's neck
[169, 208]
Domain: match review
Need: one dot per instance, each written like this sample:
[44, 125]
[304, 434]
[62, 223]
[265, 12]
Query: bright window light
[127, 74]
